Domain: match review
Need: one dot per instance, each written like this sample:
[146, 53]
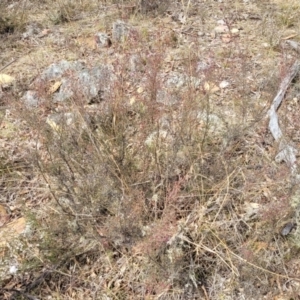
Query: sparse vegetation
[167, 188]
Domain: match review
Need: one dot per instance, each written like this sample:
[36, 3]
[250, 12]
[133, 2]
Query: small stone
[221, 29]
[140, 90]
[224, 84]
[13, 269]
[266, 45]
[102, 40]
[288, 227]
[221, 22]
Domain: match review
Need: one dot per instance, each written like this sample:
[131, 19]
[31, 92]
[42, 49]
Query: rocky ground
[138, 158]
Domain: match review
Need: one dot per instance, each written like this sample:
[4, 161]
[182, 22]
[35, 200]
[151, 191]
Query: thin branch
[8, 64]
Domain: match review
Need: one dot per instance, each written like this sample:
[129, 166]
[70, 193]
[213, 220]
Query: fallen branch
[287, 153]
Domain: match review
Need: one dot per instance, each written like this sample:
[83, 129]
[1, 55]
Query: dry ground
[153, 200]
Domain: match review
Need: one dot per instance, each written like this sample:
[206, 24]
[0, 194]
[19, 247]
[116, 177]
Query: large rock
[75, 80]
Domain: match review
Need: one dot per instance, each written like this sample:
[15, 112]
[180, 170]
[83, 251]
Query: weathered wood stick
[287, 153]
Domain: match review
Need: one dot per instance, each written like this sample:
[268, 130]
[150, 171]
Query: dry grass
[143, 198]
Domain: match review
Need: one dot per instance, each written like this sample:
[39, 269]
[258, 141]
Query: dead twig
[8, 64]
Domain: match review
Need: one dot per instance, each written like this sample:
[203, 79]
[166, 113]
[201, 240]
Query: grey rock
[76, 80]
[164, 123]
[158, 136]
[136, 63]
[102, 40]
[204, 65]
[167, 97]
[32, 29]
[61, 119]
[287, 228]
[57, 70]
[67, 120]
[31, 99]
[174, 86]
[120, 31]
[216, 124]
[178, 80]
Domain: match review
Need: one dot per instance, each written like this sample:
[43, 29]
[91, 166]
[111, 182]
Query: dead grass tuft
[168, 189]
